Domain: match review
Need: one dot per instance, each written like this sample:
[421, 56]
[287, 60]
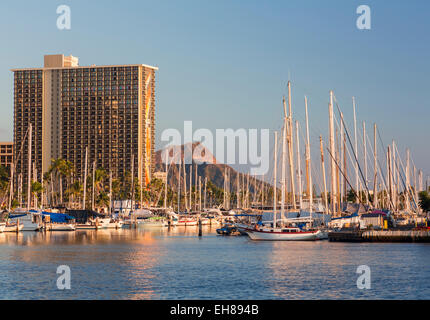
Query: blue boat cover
[248, 215]
[351, 216]
[57, 217]
[15, 216]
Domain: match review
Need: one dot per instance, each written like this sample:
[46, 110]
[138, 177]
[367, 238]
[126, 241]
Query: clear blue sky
[225, 64]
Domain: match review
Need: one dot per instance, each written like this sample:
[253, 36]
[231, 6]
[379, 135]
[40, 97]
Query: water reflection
[175, 263]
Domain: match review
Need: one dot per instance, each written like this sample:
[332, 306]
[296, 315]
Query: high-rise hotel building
[109, 109]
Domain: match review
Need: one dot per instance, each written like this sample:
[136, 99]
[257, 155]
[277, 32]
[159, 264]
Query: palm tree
[103, 199]
[36, 189]
[66, 169]
[75, 190]
[99, 178]
[53, 174]
[4, 182]
[116, 189]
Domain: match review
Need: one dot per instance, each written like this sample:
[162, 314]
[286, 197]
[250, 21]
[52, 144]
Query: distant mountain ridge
[207, 166]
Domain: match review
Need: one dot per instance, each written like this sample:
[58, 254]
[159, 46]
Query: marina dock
[380, 236]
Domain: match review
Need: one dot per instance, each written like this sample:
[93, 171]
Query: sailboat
[281, 229]
[284, 234]
[284, 229]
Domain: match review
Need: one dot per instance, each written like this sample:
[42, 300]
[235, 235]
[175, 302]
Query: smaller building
[374, 220]
[6, 154]
[160, 175]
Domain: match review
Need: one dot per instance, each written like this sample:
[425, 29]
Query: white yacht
[32, 220]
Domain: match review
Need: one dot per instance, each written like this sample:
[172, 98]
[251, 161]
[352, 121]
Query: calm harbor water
[177, 264]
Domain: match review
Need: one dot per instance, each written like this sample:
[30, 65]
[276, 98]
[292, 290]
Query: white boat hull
[28, 222]
[31, 227]
[2, 227]
[187, 223]
[13, 228]
[173, 223]
[284, 236]
[115, 225]
[85, 227]
[152, 224]
[61, 227]
[205, 221]
[103, 223]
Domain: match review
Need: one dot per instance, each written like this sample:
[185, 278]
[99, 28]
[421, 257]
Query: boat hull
[115, 225]
[187, 223]
[13, 228]
[61, 227]
[284, 236]
[86, 227]
[28, 221]
[152, 224]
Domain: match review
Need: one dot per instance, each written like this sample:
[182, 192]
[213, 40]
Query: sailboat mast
[165, 181]
[200, 193]
[141, 181]
[195, 187]
[110, 192]
[284, 152]
[290, 147]
[324, 177]
[247, 190]
[185, 185]
[341, 162]
[365, 160]
[390, 178]
[191, 186]
[275, 150]
[132, 182]
[338, 175]
[395, 177]
[179, 183]
[308, 160]
[415, 187]
[299, 173]
[30, 130]
[375, 166]
[333, 152]
[85, 178]
[407, 204]
[93, 186]
[20, 190]
[357, 187]
[204, 194]
[237, 192]
[224, 201]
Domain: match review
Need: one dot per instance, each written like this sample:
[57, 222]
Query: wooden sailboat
[282, 229]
